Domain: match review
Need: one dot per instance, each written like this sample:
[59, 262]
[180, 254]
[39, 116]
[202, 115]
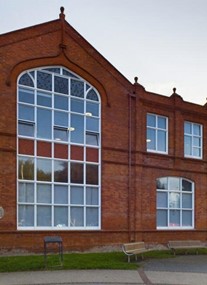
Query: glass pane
[76, 195]
[61, 85]
[92, 174]
[174, 218]
[77, 122]
[161, 141]
[196, 141]
[92, 196]
[44, 81]
[44, 194]
[61, 118]
[186, 185]
[188, 128]
[187, 201]
[162, 218]
[25, 129]
[60, 194]
[76, 217]
[26, 192]
[174, 183]
[174, 200]
[61, 102]
[60, 171]
[162, 200]
[44, 170]
[26, 113]
[60, 217]
[197, 130]
[187, 219]
[151, 139]
[161, 121]
[196, 152]
[91, 217]
[26, 80]
[44, 216]
[26, 216]
[91, 139]
[60, 134]
[162, 183]
[188, 145]
[92, 108]
[76, 173]
[151, 120]
[77, 88]
[77, 106]
[44, 99]
[92, 95]
[44, 123]
[26, 168]
[92, 124]
[26, 96]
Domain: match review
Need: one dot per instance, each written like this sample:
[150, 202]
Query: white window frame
[84, 144]
[156, 128]
[192, 136]
[170, 208]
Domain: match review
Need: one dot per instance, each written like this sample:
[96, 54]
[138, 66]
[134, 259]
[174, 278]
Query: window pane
[151, 139]
[44, 194]
[188, 145]
[44, 99]
[77, 106]
[44, 81]
[188, 128]
[60, 134]
[76, 195]
[92, 174]
[174, 218]
[26, 216]
[174, 183]
[196, 141]
[26, 192]
[26, 113]
[162, 218]
[60, 171]
[187, 219]
[92, 108]
[26, 80]
[60, 217]
[26, 168]
[161, 141]
[186, 185]
[60, 194]
[196, 152]
[174, 200]
[162, 123]
[25, 129]
[76, 173]
[162, 183]
[26, 96]
[91, 139]
[61, 102]
[44, 216]
[92, 95]
[151, 121]
[196, 130]
[61, 118]
[61, 85]
[162, 200]
[44, 169]
[92, 217]
[92, 196]
[76, 217]
[187, 201]
[77, 88]
[77, 122]
[92, 124]
[44, 123]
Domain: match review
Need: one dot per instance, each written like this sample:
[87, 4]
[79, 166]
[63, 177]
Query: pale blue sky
[163, 42]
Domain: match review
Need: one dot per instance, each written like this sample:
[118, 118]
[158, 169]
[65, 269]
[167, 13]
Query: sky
[162, 42]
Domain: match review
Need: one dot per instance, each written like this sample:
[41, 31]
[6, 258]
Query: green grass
[106, 260]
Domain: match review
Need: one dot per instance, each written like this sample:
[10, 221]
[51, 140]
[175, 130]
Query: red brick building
[88, 156]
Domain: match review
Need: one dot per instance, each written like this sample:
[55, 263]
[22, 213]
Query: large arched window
[175, 203]
[58, 151]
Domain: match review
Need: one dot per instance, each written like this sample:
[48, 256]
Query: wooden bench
[185, 244]
[134, 248]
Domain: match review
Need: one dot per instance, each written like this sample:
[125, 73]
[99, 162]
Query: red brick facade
[128, 171]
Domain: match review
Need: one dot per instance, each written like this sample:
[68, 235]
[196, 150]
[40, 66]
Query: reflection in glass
[44, 194]
[60, 217]
[91, 138]
[91, 217]
[92, 174]
[26, 192]
[92, 196]
[44, 170]
[26, 168]
[26, 129]
[44, 216]
[76, 217]
[76, 195]
[174, 200]
[60, 194]
[92, 108]
[76, 173]
[26, 216]
[60, 171]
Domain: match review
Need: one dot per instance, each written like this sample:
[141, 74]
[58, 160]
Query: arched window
[58, 151]
[175, 203]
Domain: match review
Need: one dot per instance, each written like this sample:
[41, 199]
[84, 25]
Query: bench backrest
[184, 243]
[134, 245]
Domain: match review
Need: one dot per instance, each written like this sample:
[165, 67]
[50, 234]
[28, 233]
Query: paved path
[182, 270]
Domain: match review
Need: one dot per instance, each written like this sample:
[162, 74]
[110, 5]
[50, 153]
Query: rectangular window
[193, 140]
[157, 133]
